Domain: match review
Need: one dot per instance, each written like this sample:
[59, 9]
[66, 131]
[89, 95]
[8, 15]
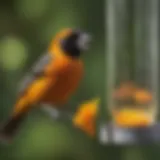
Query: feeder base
[113, 134]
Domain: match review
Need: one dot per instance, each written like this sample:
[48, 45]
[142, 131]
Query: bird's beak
[84, 41]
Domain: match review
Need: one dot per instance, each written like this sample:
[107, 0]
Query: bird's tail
[9, 129]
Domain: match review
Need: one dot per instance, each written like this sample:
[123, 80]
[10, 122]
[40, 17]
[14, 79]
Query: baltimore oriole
[52, 80]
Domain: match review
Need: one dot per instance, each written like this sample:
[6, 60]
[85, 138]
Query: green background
[26, 28]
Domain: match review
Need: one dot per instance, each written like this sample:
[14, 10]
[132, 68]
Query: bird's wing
[36, 72]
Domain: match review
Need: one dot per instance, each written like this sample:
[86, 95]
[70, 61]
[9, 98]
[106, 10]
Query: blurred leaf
[13, 53]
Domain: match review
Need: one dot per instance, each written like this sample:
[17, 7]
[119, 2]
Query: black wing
[36, 71]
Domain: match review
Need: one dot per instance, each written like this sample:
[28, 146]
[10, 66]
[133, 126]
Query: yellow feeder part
[132, 118]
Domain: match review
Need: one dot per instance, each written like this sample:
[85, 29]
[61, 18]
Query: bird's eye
[62, 42]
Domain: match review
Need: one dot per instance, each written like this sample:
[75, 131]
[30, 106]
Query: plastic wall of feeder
[132, 63]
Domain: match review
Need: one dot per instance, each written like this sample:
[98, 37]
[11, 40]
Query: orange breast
[66, 84]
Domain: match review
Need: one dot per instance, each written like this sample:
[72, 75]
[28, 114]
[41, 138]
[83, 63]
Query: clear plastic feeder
[132, 48]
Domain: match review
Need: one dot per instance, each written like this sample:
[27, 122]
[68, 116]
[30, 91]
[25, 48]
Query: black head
[75, 43]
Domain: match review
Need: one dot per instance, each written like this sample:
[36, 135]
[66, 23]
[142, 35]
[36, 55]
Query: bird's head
[73, 42]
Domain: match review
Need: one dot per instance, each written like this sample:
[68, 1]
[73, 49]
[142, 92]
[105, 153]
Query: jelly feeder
[132, 73]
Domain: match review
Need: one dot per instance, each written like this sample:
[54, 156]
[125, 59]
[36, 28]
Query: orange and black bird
[52, 80]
